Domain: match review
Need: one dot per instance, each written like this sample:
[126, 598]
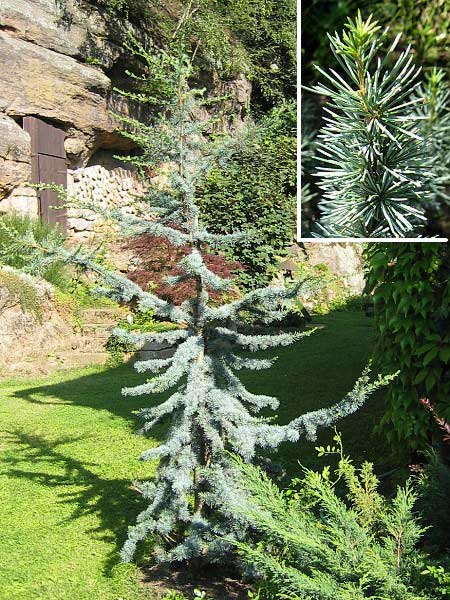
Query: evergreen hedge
[256, 190]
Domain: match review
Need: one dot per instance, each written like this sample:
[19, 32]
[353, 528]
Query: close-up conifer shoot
[374, 164]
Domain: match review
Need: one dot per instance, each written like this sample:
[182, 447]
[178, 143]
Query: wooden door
[52, 170]
[48, 165]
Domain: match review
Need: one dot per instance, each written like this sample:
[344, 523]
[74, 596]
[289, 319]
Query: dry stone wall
[106, 182]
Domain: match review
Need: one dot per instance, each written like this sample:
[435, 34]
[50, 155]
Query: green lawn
[68, 453]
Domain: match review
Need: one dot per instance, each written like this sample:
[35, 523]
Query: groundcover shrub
[333, 535]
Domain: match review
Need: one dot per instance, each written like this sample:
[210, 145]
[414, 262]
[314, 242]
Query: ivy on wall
[410, 284]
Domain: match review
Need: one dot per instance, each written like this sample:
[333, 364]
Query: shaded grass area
[69, 452]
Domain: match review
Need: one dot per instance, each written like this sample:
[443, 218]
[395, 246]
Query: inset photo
[375, 119]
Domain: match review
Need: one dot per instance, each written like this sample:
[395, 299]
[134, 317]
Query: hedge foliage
[256, 191]
[410, 284]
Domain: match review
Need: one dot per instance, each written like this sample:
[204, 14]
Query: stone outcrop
[15, 159]
[343, 258]
[61, 26]
[55, 63]
[56, 58]
[39, 81]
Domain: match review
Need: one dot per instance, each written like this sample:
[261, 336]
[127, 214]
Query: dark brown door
[52, 170]
[49, 165]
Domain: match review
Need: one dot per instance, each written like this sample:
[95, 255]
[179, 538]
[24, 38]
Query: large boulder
[15, 155]
[38, 81]
[62, 27]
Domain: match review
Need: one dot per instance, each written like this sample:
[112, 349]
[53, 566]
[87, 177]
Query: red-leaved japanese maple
[154, 258]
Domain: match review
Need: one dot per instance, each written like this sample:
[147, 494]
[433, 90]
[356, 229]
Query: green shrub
[434, 487]
[20, 255]
[441, 577]
[256, 191]
[410, 284]
[332, 535]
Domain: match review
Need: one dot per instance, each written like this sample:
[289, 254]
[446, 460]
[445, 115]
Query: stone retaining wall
[34, 343]
[108, 183]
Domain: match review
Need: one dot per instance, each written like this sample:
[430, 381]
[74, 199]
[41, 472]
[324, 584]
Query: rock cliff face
[15, 159]
[45, 50]
[59, 61]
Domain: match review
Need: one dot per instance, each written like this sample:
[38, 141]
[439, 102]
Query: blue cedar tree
[211, 411]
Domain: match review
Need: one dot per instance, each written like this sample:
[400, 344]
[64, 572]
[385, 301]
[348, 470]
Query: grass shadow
[111, 500]
[99, 389]
[314, 373]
